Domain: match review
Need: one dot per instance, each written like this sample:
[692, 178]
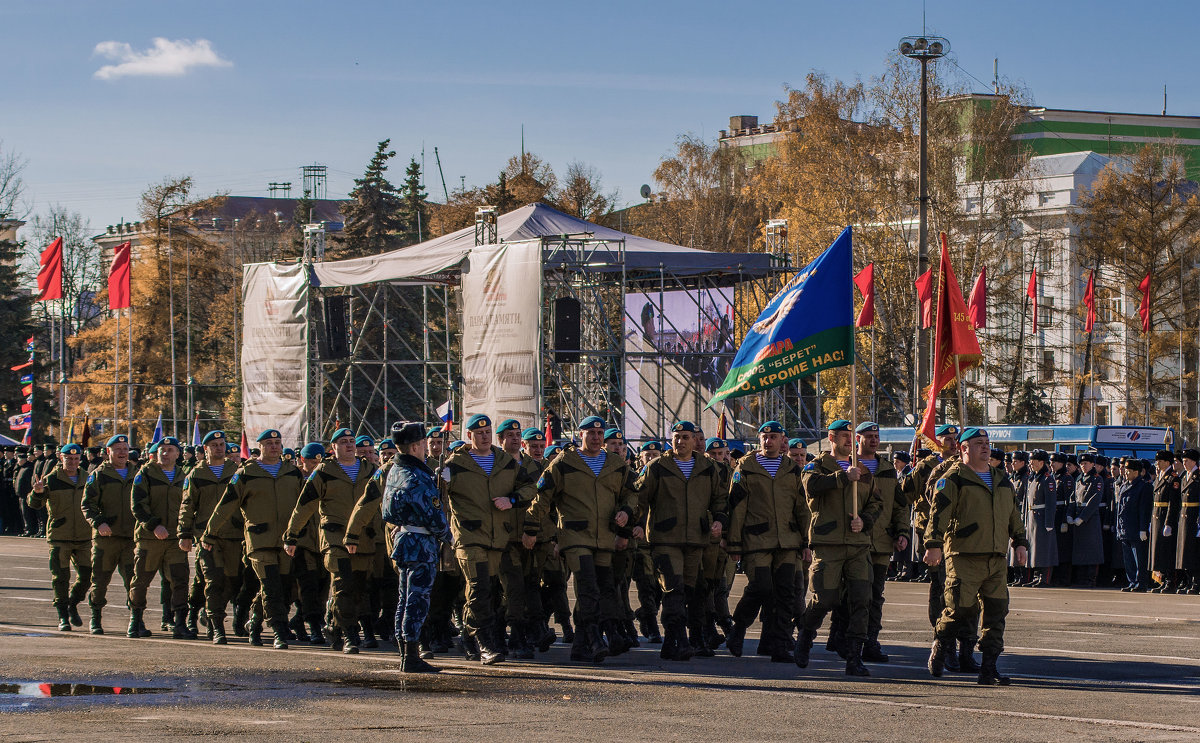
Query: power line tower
[315, 180]
[280, 189]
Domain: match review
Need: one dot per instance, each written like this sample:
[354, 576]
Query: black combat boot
[254, 627]
[135, 623]
[581, 651]
[412, 662]
[804, 646]
[873, 652]
[568, 632]
[966, 656]
[239, 620]
[296, 625]
[631, 633]
[546, 637]
[854, 664]
[96, 627]
[470, 647]
[597, 647]
[937, 658]
[189, 623]
[180, 630]
[695, 639]
[836, 642]
[648, 626]
[143, 630]
[735, 639]
[989, 675]
[677, 638]
[352, 640]
[617, 644]
[489, 650]
[64, 619]
[73, 614]
[368, 633]
[280, 630]
[315, 637]
[336, 643]
[216, 625]
[521, 642]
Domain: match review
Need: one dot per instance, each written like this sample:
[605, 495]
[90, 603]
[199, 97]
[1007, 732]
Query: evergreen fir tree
[375, 213]
[416, 213]
[1028, 406]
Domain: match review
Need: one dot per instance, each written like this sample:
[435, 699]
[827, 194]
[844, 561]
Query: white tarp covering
[502, 298]
[275, 350]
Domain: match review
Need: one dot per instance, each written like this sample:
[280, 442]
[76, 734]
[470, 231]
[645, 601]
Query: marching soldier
[60, 493]
[1162, 535]
[533, 448]
[1040, 507]
[768, 529]
[719, 570]
[591, 490]
[264, 493]
[972, 493]
[683, 498]
[845, 505]
[106, 506]
[483, 483]
[23, 482]
[522, 608]
[1187, 529]
[331, 492]
[220, 567]
[312, 580]
[157, 496]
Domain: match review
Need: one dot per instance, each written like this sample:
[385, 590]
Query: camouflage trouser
[62, 554]
[678, 570]
[837, 569]
[348, 593]
[480, 566]
[273, 567]
[595, 589]
[221, 570]
[554, 585]
[973, 581]
[311, 581]
[412, 607]
[109, 554]
[148, 557]
[770, 586]
[515, 563]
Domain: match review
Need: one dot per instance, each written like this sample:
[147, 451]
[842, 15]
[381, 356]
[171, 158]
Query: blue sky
[283, 84]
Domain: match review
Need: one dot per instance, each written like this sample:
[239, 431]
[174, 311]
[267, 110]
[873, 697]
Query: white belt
[1037, 508]
[413, 530]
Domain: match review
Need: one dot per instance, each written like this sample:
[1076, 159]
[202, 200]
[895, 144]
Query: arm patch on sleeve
[941, 484]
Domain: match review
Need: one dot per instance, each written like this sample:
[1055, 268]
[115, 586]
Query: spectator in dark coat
[1131, 525]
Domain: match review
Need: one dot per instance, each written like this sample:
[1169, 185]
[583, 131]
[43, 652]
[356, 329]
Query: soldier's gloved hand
[160, 532]
[1143, 535]
[1167, 531]
[1063, 527]
[1078, 521]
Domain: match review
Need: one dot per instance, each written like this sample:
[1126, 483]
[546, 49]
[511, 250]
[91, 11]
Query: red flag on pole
[1089, 301]
[865, 281]
[977, 304]
[19, 367]
[118, 278]
[1144, 305]
[956, 348]
[721, 425]
[1032, 293]
[50, 266]
[925, 297]
[245, 446]
[549, 431]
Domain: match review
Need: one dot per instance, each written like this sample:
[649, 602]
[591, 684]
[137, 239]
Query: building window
[1046, 369]
[1101, 415]
[1110, 305]
[1045, 312]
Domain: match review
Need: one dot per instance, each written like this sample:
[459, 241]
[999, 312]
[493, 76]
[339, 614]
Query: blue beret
[313, 450]
[341, 433]
[289, 453]
[867, 427]
[592, 422]
[153, 449]
[232, 447]
[770, 427]
[479, 420]
[118, 439]
[667, 446]
[169, 441]
[213, 436]
[385, 444]
[971, 433]
[841, 424]
[270, 433]
[684, 426]
[71, 449]
[508, 424]
[946, 429]
[712, 442]
[436, 433]
[364, 440]
[533, 434]
[651, 446]
[796, 443]
[613, 433]
[457, 444]
[552, 450]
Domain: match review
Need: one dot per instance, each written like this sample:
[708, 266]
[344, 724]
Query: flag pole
[853, 430]
[962, 408]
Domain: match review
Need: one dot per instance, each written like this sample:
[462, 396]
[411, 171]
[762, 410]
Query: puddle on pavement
[406, 686]
[46, 690]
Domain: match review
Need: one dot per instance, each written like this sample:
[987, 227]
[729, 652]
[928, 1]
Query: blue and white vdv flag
[158, 432]
[808, 326]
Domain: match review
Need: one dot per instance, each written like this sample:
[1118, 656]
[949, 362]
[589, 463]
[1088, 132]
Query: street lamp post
[923, 49]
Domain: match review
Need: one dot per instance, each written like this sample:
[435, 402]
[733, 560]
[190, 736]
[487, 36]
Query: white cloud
[166, 58]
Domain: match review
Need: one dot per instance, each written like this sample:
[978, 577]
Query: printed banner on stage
[275, 350]
[502, 302]
[678, 347]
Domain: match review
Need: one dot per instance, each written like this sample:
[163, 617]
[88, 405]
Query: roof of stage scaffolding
[532, 222]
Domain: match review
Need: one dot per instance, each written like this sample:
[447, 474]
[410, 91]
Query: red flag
[26, 407]
[1032, 293]
[721, 425]
[1144, 305]
[245, 447]
[49, 278]
[956, 348]
[27, 390]
[977, 304]
[865, 281]
[19, 367]
[118, 277]
[549, 431]
[1089, 301]
[925, 297]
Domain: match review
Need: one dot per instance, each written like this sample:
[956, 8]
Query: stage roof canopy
[533, 222]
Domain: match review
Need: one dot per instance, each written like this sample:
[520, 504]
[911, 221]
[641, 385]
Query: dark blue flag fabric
[807, 327]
